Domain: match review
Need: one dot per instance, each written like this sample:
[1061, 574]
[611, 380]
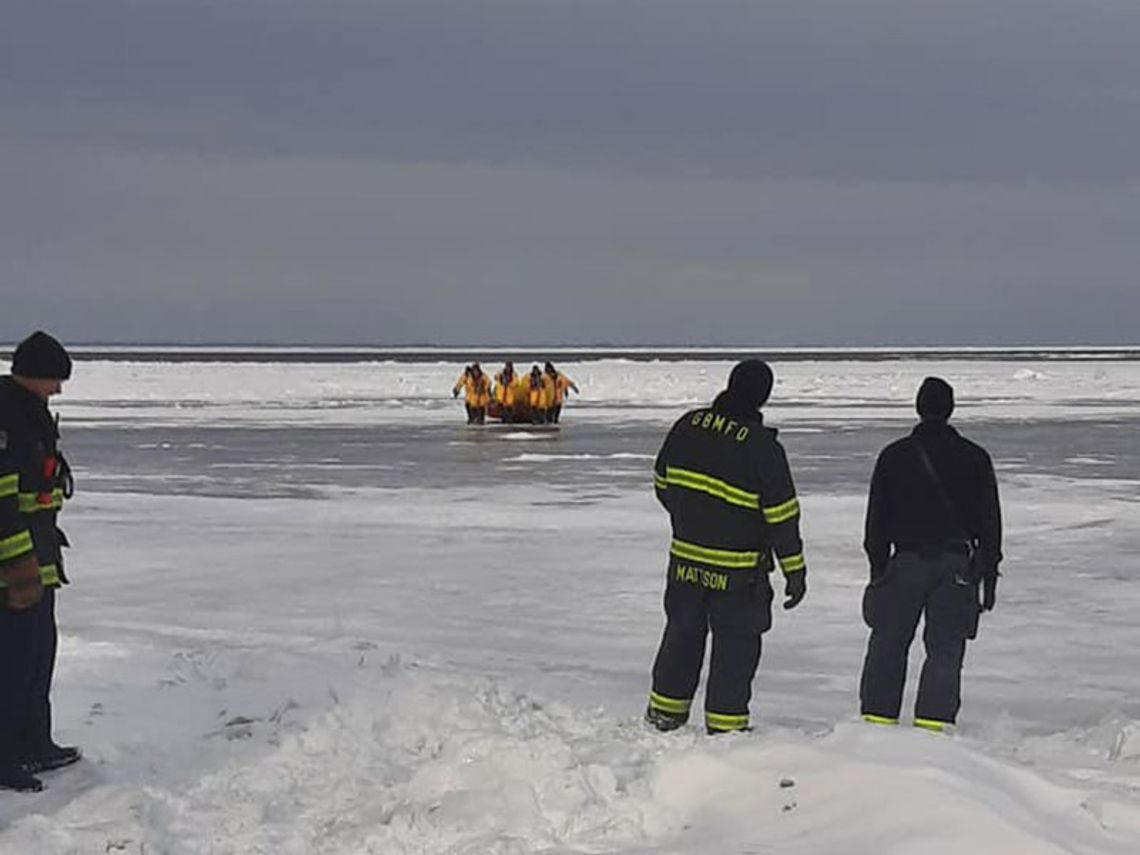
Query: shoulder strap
[941, 490]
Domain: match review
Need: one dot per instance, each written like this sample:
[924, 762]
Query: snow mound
[1115, 740]
[417, 759]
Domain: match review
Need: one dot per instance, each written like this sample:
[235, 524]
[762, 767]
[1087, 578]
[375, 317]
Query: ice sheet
[427, 660]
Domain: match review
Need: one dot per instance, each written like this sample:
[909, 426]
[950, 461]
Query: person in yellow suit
[540, 395]
[507, 391]
[478, 393]
[549, 388]
[561, 388]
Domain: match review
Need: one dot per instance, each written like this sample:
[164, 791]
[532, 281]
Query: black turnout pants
[934, 586]
[737, 619]
[27, 660]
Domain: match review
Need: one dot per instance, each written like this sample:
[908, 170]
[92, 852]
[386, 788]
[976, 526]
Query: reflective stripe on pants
[737, 619]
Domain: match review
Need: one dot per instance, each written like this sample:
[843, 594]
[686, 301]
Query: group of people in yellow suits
[535, 397]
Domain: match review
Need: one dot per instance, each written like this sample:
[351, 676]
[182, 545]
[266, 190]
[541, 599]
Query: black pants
[737, 619]
[476, 415]
[27, 661]
[914, 586]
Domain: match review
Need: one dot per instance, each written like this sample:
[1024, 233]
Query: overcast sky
[802, 172]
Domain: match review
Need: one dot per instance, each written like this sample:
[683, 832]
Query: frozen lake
[312, 611]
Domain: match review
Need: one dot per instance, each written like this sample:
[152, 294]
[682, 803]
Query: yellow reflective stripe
[9, 485]
[931, 724]
[879, 719]
[793, 563]
[717, 721]
[29, 502]
[15, 546]
[49, 575]
[727, 558]
[782, 513]
[715, 487]
[659, 482]
[669, 705]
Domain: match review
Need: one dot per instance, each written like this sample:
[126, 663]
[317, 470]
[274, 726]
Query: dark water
[309, 461]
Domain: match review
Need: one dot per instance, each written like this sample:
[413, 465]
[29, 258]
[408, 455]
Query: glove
[795, 586]
[25, 588]
[989, 592]
[455, 393]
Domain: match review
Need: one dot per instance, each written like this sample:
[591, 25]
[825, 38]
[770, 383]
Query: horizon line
[599, 346]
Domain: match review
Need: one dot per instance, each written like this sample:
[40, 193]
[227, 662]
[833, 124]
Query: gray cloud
[784, 173]
[906, 90]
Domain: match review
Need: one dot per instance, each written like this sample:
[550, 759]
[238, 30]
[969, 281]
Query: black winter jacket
[906, 510]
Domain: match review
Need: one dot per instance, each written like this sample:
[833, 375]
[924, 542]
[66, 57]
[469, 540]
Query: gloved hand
[795, 586]
[989, 592]
[455, 393]
[25, 588]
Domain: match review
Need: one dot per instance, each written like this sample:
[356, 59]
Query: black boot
[13, 777]
[52, 757]
[665, 721]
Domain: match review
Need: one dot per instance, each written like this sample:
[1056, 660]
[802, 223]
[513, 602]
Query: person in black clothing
[933, 538]
[34, 482]
[724, 479]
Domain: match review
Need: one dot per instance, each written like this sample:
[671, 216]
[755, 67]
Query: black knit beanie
[935, 399]
[749, 386]
[41, 357]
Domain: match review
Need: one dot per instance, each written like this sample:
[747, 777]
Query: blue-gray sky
[802, 172]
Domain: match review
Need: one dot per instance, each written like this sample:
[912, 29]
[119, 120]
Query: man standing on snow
[724, 479]
[34, 482]
[933, 537]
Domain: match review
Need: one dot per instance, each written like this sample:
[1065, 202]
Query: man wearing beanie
[35, 480]
[724, 479]
[933, 537]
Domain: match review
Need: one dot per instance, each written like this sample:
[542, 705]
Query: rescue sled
[518, 416]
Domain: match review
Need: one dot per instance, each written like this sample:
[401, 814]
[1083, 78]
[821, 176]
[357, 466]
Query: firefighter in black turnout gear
[933, 537]
[724, 479]
[34, 482]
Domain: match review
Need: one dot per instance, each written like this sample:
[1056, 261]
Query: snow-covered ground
[312, 613]
[369, 393]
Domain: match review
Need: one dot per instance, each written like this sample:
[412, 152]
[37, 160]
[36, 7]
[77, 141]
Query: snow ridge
[418, 759]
